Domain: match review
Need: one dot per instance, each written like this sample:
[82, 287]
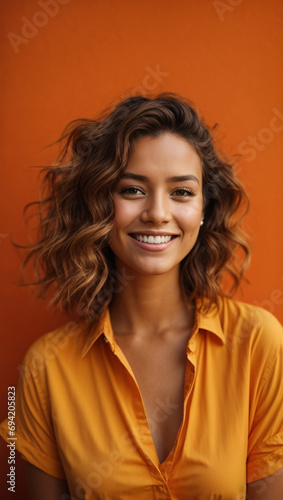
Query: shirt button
[105, 339]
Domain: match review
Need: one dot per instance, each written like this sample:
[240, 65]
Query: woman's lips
[153, 242]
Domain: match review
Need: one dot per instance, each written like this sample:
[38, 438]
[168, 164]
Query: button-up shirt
[80, 413]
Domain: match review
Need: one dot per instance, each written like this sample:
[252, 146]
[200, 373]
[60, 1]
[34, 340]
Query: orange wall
[80, 56]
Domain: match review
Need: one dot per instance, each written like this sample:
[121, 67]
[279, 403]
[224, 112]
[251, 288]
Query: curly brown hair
[76, 214]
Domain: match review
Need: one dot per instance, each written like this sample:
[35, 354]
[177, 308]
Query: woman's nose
[157, 209]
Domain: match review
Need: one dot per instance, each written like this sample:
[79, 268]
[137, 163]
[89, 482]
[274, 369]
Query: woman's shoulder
[236, 307]
[62, 344]
[249, 322]
[59, 337]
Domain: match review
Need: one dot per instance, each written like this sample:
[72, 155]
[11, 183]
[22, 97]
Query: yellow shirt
[80, 415]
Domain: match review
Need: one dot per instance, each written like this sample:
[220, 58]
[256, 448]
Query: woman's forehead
[168, 153]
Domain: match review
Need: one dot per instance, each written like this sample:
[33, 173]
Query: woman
[165, 388]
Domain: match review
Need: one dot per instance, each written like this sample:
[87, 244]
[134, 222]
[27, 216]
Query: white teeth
[153, 239]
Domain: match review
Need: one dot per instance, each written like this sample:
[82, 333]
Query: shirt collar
[208, 321]
[101, 327]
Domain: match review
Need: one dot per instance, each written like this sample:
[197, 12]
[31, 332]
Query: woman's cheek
[191, 216]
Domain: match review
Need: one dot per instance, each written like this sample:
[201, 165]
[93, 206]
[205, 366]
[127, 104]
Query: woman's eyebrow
[177, 178]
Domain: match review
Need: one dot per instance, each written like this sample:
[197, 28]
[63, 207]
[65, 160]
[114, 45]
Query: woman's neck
[148, 305]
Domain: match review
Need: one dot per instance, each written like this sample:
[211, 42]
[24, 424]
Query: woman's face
[158, 205]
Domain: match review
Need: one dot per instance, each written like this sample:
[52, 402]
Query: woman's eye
[131, 190]
[183, 193]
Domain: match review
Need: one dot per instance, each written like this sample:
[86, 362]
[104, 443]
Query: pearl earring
[201, 222]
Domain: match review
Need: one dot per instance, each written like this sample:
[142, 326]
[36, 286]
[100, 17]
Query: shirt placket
[140, 430]
[190, 375]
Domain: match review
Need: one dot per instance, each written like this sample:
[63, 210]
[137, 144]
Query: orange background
[81, 56]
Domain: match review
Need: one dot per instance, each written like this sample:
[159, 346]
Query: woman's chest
[108, 432]
[159, 370]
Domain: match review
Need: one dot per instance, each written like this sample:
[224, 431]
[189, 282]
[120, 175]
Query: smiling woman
[77, 207]
[165, 387]
[162, 210]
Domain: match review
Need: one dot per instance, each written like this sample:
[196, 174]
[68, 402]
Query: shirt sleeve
[34, 429]
[265, 443]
